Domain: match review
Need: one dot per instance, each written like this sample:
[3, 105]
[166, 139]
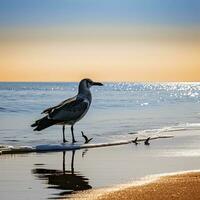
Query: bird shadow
[66, 181]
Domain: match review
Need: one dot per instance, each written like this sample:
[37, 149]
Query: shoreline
[97, 173]
[183, 185]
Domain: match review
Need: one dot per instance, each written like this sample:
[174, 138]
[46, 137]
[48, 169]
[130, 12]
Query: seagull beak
[97, 83]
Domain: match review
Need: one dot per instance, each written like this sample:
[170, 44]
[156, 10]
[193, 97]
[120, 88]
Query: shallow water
[117, 110]
[58, 175]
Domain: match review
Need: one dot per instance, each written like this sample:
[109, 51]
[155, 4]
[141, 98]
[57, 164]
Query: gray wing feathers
[49, 110]
[70, 110]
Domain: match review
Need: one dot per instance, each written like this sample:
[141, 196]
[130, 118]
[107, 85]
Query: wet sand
[97, 172]
[180, 187]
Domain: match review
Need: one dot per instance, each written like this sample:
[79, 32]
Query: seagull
[135, 141]
[69, 111]
[86, 138]
[146, 142]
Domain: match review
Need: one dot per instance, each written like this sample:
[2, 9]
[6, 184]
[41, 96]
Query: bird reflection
[68, 181]
[84, 152]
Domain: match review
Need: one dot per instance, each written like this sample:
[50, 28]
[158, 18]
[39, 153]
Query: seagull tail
[43, 123]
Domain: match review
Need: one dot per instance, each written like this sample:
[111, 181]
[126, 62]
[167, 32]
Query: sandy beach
[179, 187]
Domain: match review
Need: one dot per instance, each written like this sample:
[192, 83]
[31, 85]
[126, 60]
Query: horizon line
[102, 81]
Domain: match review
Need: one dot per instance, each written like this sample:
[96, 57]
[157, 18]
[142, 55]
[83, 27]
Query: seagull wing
[70, 111]
[49, 110]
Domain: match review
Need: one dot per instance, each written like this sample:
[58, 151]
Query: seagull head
[88, 83]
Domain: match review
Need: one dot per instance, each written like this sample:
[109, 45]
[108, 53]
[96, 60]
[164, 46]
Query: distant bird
[69, 111]
[86, 138]
[135, 141]
[146, 142]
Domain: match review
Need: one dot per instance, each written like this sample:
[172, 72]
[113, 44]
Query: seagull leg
[64, 162]
[72, 162]
[72, 130]
[64, 140]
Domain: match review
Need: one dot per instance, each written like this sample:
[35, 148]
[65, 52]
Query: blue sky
[65, 12]
[136, 40]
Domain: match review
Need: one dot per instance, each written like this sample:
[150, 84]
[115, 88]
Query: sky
[108, 40]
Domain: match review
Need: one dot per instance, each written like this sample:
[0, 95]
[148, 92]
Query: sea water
[117, 108]
[118, 111]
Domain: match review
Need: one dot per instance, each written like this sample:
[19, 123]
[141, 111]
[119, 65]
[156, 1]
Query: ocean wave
[182, 153]
[13, 110]
[2, 109]
[176, 128]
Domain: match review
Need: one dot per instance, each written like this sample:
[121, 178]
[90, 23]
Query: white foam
[181, 153]
[179, 127]
[68, 147]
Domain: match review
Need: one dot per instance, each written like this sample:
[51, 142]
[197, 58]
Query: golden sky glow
[105, 40]
[138, 54]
